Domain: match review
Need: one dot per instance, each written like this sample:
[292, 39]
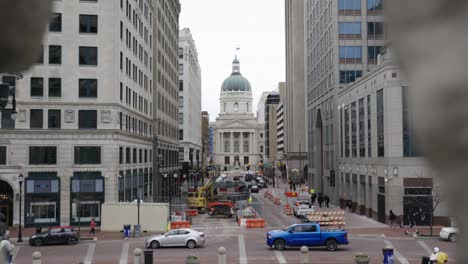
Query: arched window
[236, 107]
[224, 107]
[226, 146]
[246, 146]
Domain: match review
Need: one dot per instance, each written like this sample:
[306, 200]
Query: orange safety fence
[255, 223]
[287, 209]
[181, 224]
[192, 212]
[277, 201]
[265, 195]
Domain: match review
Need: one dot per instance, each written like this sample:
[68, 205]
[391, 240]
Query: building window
[42, 155]
[375, 30]
[227, 146]
[362, 143]
[349, 76]
[261, 149]
[341, 132]
[88, 56]
[246, 146]
[346, 120]
[128, 156]
[37, 86]
[236, 147]
[350, 54]
[7, 122]
[349, 7]
[3, 154]
[380, 124]
[375, 7]
[55, 54]
[226, 160]
[88, 24]
[409, 139]
[87, 119]
[55, 87]
[236, 107]
[181, 85]
[36, 118]
[369, 131]
[134, 160]
[88, 155]
[54, 118]
[349, 30]
[120, 156]
[246, 160]
[224, 107]
[353, 130]
[88, 88]
[372, 52]
[55, 24]
[181, 134]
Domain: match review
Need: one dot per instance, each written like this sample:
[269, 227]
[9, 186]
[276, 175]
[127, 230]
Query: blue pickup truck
[306, 234]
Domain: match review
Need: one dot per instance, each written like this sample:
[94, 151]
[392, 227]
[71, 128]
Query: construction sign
[327, 218]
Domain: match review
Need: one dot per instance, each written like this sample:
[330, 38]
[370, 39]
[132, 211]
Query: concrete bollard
[137, 256]
[36, 257]
[304, 255]
[221, 255]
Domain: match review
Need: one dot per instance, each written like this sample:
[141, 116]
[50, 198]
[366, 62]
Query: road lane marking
[15, 253]
[90, 254]
[397, 254]
[425, 247]
[242, 253]
[124, 253]
[280, 257]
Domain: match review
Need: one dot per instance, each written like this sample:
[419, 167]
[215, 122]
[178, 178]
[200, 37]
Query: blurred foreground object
[22, 25]
[429, 38]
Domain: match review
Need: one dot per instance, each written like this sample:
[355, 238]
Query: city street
[248, 245]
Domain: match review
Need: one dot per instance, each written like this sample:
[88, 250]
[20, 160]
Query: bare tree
[438, 196]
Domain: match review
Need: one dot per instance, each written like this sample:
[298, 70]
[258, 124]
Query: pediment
[231, 124]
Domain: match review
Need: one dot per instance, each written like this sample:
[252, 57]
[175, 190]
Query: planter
[361, 258]
[192, 260]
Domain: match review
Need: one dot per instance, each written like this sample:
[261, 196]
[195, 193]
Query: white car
[449, 233]
[178, 237]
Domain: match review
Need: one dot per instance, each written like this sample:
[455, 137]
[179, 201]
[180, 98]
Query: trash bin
[126, 230]
[148, 256]
[388, 255]
[136, 230]
[425, 260]
[38, 230]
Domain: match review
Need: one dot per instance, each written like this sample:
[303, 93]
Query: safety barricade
[265, 195]
[327, 213]
[192, 212]
[255, 223]
[181, 224]
[287, 209]
[277, 201]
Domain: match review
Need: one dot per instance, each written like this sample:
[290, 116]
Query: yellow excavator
[199, 200]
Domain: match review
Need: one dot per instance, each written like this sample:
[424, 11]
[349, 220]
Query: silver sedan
[177, 237]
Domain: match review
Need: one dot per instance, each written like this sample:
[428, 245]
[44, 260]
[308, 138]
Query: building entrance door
[381, 207]
[5, 211]
[6, 202]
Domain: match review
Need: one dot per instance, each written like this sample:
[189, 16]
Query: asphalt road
[243, 245]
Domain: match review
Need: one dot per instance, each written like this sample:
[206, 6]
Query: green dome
[236, 82]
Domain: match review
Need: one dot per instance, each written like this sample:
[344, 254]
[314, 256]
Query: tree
[438, 196]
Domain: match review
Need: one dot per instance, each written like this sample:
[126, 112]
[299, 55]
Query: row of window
[133, 45]
[87, 88]
[372, 5]
[134, 125]
[227, 160]
[87, 23]
[86, 55]
[137, 75]
[136, 21]
[353, 54]
[374, 29]
[87, 119]
[136, 101]
[134, 156]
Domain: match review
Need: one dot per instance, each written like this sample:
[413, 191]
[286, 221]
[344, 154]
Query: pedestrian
[313, 197]
[392, 219]
[320, 199]
[349, 205]
[294, 187]
[438, 257]
[326, 199]
[92, 227]
[6, 250]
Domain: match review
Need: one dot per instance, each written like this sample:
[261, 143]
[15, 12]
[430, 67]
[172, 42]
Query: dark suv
[55, 235]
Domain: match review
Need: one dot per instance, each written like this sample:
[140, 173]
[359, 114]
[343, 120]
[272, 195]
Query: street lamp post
[20, 181]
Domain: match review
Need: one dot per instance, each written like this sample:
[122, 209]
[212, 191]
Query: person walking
[392, 218]
[320, 200]
[326, 199]
[313, 197]
[6, 250]
[92, 227]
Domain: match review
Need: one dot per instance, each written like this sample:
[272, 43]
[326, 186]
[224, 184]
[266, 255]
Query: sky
[219, 27]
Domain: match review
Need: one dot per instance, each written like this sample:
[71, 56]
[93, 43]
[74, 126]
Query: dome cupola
[236, 82]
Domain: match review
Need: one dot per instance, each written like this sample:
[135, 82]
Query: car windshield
[286, 228]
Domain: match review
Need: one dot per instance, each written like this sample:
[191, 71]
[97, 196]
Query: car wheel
[71, 241]
[154, 244]
[279, 245]
[452, 238]
[331, 245]
[38, 242]
[191, 244]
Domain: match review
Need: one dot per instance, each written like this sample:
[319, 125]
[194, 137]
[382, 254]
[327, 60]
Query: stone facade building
[238, 138]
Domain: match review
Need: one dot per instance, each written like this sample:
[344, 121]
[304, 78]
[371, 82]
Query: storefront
[42, 199]
[86, 197]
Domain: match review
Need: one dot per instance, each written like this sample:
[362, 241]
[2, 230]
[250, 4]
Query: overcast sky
[219, 26]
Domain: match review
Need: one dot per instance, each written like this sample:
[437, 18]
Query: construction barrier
[277, 201]
[287, 209]
[265, 195]
[192, 212]
[255, 223]
[291, 194]
[181, 224]
[327, 218]
[327, 213]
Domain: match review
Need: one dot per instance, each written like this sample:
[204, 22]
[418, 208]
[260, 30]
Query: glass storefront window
[43, 212]
[86, 210]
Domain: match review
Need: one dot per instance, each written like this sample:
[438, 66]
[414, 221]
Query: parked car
[300, 204]
[55, 235]
[236, 178]
[248, 177]
[449, 233]
[254, 189]
[307, 234]
[178, 237]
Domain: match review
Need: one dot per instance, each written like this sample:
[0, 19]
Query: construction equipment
[226, 208]
[199, 200]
